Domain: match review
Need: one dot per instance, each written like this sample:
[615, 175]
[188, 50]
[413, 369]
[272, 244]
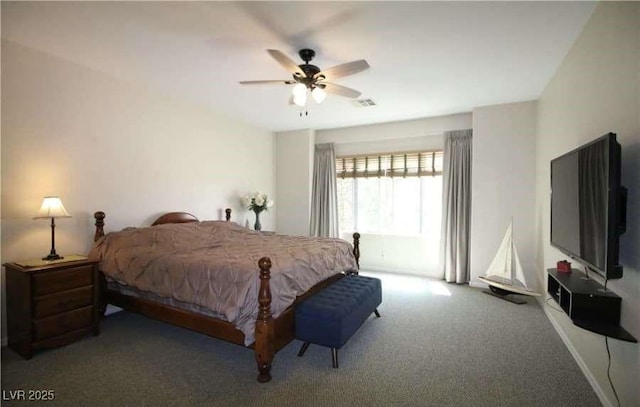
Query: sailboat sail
[506, 270]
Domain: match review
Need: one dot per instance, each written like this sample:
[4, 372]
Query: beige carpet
[435, 345]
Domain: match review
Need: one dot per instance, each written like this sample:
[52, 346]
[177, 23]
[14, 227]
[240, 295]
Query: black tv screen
[587, 205]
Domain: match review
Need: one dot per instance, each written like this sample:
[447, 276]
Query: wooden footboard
[271, 334]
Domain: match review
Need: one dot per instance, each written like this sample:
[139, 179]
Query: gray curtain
[324, 195]
[592, 175]
[456, 206]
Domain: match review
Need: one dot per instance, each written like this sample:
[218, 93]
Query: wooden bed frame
[271, 334]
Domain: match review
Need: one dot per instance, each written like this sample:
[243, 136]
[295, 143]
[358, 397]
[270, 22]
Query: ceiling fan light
[300, 100]
[318, 95]
[299, 91]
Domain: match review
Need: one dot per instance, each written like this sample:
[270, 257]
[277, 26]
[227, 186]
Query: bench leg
[334, 357]
[375, 311]
[304, 348]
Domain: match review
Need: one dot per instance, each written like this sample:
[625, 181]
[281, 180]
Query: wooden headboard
[170, 217]
[175, 217]
[184, 217]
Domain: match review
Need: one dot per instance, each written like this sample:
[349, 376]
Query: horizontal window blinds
[407, 164]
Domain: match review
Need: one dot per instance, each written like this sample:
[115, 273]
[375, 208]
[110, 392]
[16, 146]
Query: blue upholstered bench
[331, 316]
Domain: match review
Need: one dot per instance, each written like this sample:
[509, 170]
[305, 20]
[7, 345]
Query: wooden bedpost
[356, 248]
[264, 324]
[99, 216]
[102, 301]
[227, 214]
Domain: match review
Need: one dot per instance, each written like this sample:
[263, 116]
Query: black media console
[587, 303]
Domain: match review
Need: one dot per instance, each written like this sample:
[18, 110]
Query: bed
[218, 278]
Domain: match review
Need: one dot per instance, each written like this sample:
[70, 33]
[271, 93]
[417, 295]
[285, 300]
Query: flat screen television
[588, 205]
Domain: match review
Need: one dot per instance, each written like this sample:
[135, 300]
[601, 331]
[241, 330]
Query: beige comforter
[214, 264]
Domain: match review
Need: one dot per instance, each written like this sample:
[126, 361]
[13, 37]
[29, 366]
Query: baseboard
[551, 316]
[397, 271]
[477, 284]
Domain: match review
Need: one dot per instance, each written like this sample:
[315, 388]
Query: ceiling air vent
[363, 102]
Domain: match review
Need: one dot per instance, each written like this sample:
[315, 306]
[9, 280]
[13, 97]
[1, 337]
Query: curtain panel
[324, 193]
[456, 206]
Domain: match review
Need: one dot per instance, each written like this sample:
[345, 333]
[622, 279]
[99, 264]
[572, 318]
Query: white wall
[503, 185]
[294, 154]
[103, 144]
[597, 90]
[384, 132]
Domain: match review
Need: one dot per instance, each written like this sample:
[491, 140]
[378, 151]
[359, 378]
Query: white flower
[257, 202]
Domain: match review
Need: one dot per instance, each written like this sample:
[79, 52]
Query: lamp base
[53, 257]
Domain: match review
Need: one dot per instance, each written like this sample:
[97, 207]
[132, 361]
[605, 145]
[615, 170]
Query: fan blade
[280, 82]
[339, 71]
[339, 90]
[286, 62]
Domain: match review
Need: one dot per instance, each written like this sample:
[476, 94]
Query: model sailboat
[505, 275]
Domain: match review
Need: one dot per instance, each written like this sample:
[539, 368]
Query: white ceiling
[427, 58]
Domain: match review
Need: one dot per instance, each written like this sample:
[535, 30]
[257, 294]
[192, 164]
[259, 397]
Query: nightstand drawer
[63, 323]
[60, 280]
[63, 301]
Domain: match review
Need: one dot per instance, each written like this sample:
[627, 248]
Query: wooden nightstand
[52, 305]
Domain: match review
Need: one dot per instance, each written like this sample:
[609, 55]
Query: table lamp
[52, 208]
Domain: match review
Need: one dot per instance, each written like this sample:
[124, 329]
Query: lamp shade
[318, 95]
[300, 95]
[299, 90]
[52, 208]
[300, 100]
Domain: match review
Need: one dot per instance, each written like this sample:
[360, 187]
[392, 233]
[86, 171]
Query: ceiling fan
[309, 78]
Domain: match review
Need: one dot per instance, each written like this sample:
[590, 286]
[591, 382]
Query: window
[390, 194]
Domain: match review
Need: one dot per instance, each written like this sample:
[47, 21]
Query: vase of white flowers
[257, 202]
